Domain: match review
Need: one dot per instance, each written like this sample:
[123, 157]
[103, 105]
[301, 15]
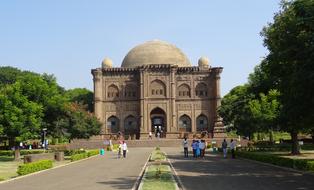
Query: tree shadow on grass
[6, 158]
[121, 183]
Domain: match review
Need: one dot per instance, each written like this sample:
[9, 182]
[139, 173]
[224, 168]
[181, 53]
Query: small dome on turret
[106, 63]
[203, 62]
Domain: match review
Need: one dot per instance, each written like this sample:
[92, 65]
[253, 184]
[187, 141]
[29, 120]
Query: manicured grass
[8, 167]
[158, 155]
[158, 177]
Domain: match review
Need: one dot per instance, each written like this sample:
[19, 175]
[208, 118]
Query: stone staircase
[99, 143]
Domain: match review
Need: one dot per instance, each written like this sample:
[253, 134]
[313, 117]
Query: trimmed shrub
[92, 153]
[34, 167]
[157, 155]
[76, 157]
[72, 152]
[26, 152]
[300, 164]
[6, 153]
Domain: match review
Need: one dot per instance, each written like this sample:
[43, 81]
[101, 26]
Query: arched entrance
[185, 123]
[130, 127]
[201, 123]
[159, 122]
[113, 124]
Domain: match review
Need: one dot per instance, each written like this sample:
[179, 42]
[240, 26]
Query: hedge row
[23, 152]
[300, 164]
[267, 146]
[34, 167]
[72, 152]
[80, 156]
[92, 153]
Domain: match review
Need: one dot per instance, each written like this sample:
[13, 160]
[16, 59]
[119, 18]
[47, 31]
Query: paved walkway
[216, 173]
[101, 172]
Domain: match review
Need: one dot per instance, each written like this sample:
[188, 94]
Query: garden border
[35, 173]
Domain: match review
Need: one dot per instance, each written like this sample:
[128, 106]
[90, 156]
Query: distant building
[157, 89]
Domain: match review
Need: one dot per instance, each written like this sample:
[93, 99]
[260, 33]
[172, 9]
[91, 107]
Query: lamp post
[44, 131]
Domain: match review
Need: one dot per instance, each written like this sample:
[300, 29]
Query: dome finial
[203, 62]
[106, 63]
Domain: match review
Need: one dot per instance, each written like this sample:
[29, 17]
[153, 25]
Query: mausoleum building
[157, 89]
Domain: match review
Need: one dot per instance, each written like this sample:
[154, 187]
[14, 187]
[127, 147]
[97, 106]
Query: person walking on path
[232, 148]
[194, 148]
[224, 148]
[124, 148]
[150, 135]
[185, 144]
[198, 150]
[202, 148]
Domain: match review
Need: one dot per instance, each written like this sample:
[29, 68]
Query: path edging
[41, 171]
[139, 177]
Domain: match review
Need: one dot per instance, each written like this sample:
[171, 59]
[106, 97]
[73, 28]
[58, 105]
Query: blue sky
[69, 38]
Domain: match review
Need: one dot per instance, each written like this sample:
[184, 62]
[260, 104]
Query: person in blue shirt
[194, 147]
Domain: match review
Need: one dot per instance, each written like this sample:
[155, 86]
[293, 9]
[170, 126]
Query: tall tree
[20, 119]
[236, 112]
[265, 111]
[81, 96]
[290, 42]
[78, 123]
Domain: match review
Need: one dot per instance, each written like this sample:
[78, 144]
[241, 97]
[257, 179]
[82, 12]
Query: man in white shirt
[185, 144]
[232, 148]
[124, 148]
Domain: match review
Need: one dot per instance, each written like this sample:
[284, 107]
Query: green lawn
[158, 177]
[8, 167]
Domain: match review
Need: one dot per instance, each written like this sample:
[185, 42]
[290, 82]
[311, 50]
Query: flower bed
[158, 177]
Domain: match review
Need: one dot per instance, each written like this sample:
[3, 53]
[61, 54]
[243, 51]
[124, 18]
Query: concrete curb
[41, 171]
[174, 176]
[140, 176]
[177, 178]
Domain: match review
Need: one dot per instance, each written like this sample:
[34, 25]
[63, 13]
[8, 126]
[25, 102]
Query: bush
[92, 153]
[23, 152]
[157, 155]
[26, 152]
[6, 153]
[72, 152]
[34, 167]
[300, 164]
[76, 157]
[209, 146]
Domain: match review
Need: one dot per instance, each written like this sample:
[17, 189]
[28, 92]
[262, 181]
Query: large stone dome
[155, 52]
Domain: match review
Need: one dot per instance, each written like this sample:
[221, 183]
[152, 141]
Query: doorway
[158, 122]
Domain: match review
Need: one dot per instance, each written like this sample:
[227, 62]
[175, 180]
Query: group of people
[232, 146]
[199, 146]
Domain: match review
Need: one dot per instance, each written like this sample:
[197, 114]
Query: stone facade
[171, 99]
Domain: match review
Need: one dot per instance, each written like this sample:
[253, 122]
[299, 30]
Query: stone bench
[59, 156]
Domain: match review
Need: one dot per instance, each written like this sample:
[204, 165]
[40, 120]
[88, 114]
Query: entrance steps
[97, 143]
[101, 143]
